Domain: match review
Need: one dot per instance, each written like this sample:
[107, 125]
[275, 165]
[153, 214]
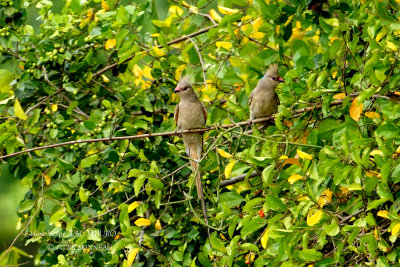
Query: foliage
[327, 191]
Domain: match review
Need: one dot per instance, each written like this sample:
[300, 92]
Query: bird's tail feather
[195, 156]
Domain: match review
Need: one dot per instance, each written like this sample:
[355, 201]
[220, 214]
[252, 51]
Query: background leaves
[318, 186]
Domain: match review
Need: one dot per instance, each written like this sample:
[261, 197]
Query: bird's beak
[177, 90]
[280, 79]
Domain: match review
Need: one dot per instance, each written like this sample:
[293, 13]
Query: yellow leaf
[224, 154]
[18, 111]
[47, 179]
[339, 96]
[104, 5]
[304, 155]
[133, 206]
[294, 178]
[110, 44]
[54, 107]
[158, 51]
[376, 152]
[226, 45]
[142, 222]
[257, 35]
[376, 233]
[105, 79]
[283, 157]
[228, 168]
[178, 71]
[155, 35]
[372, 115]
[91, 152]
[391, 45]
[132, 255]
[264, 239]
[158, 225]
[222, 236]
[315, 218]
[355, 109]
[383, 213]
[325, 198]
[214, 15]
[227, 11]
[396, 229]
[176, 10]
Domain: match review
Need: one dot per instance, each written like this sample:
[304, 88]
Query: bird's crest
[184, 82]
[272, 70]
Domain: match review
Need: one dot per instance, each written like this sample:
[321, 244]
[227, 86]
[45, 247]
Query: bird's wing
[176, 114]
[251, 97]
[204, 111]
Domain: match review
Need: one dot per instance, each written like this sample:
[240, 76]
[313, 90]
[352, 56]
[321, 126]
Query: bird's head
[184, 87]
[272, 74]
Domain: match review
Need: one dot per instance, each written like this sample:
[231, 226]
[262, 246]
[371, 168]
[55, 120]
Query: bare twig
[201, 62]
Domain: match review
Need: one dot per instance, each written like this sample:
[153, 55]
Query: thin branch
[238, 179]
[77, 109]
[16, 55]
[178, 40]
[296, 113]
[201, 62]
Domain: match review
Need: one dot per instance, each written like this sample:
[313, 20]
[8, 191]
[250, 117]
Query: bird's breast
[191, 116]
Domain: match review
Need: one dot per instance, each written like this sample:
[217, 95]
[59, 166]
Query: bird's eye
[275, 78]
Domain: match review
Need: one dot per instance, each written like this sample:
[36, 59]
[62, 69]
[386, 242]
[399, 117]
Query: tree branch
[178, 40]
[296, 113]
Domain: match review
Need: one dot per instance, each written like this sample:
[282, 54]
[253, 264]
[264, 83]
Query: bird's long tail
[195, 156]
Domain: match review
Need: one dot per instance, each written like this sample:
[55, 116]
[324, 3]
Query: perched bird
[263, 100]
[190, 113]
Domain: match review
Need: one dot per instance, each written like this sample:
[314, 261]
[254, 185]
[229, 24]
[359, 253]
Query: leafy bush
[318, 186]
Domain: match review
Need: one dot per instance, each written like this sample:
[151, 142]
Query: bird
[190, 113]
[263, 100]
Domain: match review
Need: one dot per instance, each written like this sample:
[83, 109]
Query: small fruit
[261, 213]
[94, 97]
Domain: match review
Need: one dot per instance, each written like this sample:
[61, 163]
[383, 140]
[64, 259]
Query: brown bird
[263, 100]
[190, 113]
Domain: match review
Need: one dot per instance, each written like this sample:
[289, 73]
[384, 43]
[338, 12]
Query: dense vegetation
[326, 187]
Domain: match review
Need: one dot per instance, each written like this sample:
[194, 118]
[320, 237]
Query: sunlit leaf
[132, 255]
[142, 222]
[110, 44]
[19, 112]
[264, 239]
[228, 168]
[315, 218]
[227, 11]
[304, 155]
[294, 178]
[355, 109]
[224, 153]
[383, 213]
[226, 45]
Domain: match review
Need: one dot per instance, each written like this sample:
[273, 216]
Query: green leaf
[309, 255]
[332, 229]
[26, 205]
[138, 183]
[249, 246]
[231, 199]
[252, 226]
[216, 243]
[89, 161]
[274, 203]
[83, 196]
[58, 215]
